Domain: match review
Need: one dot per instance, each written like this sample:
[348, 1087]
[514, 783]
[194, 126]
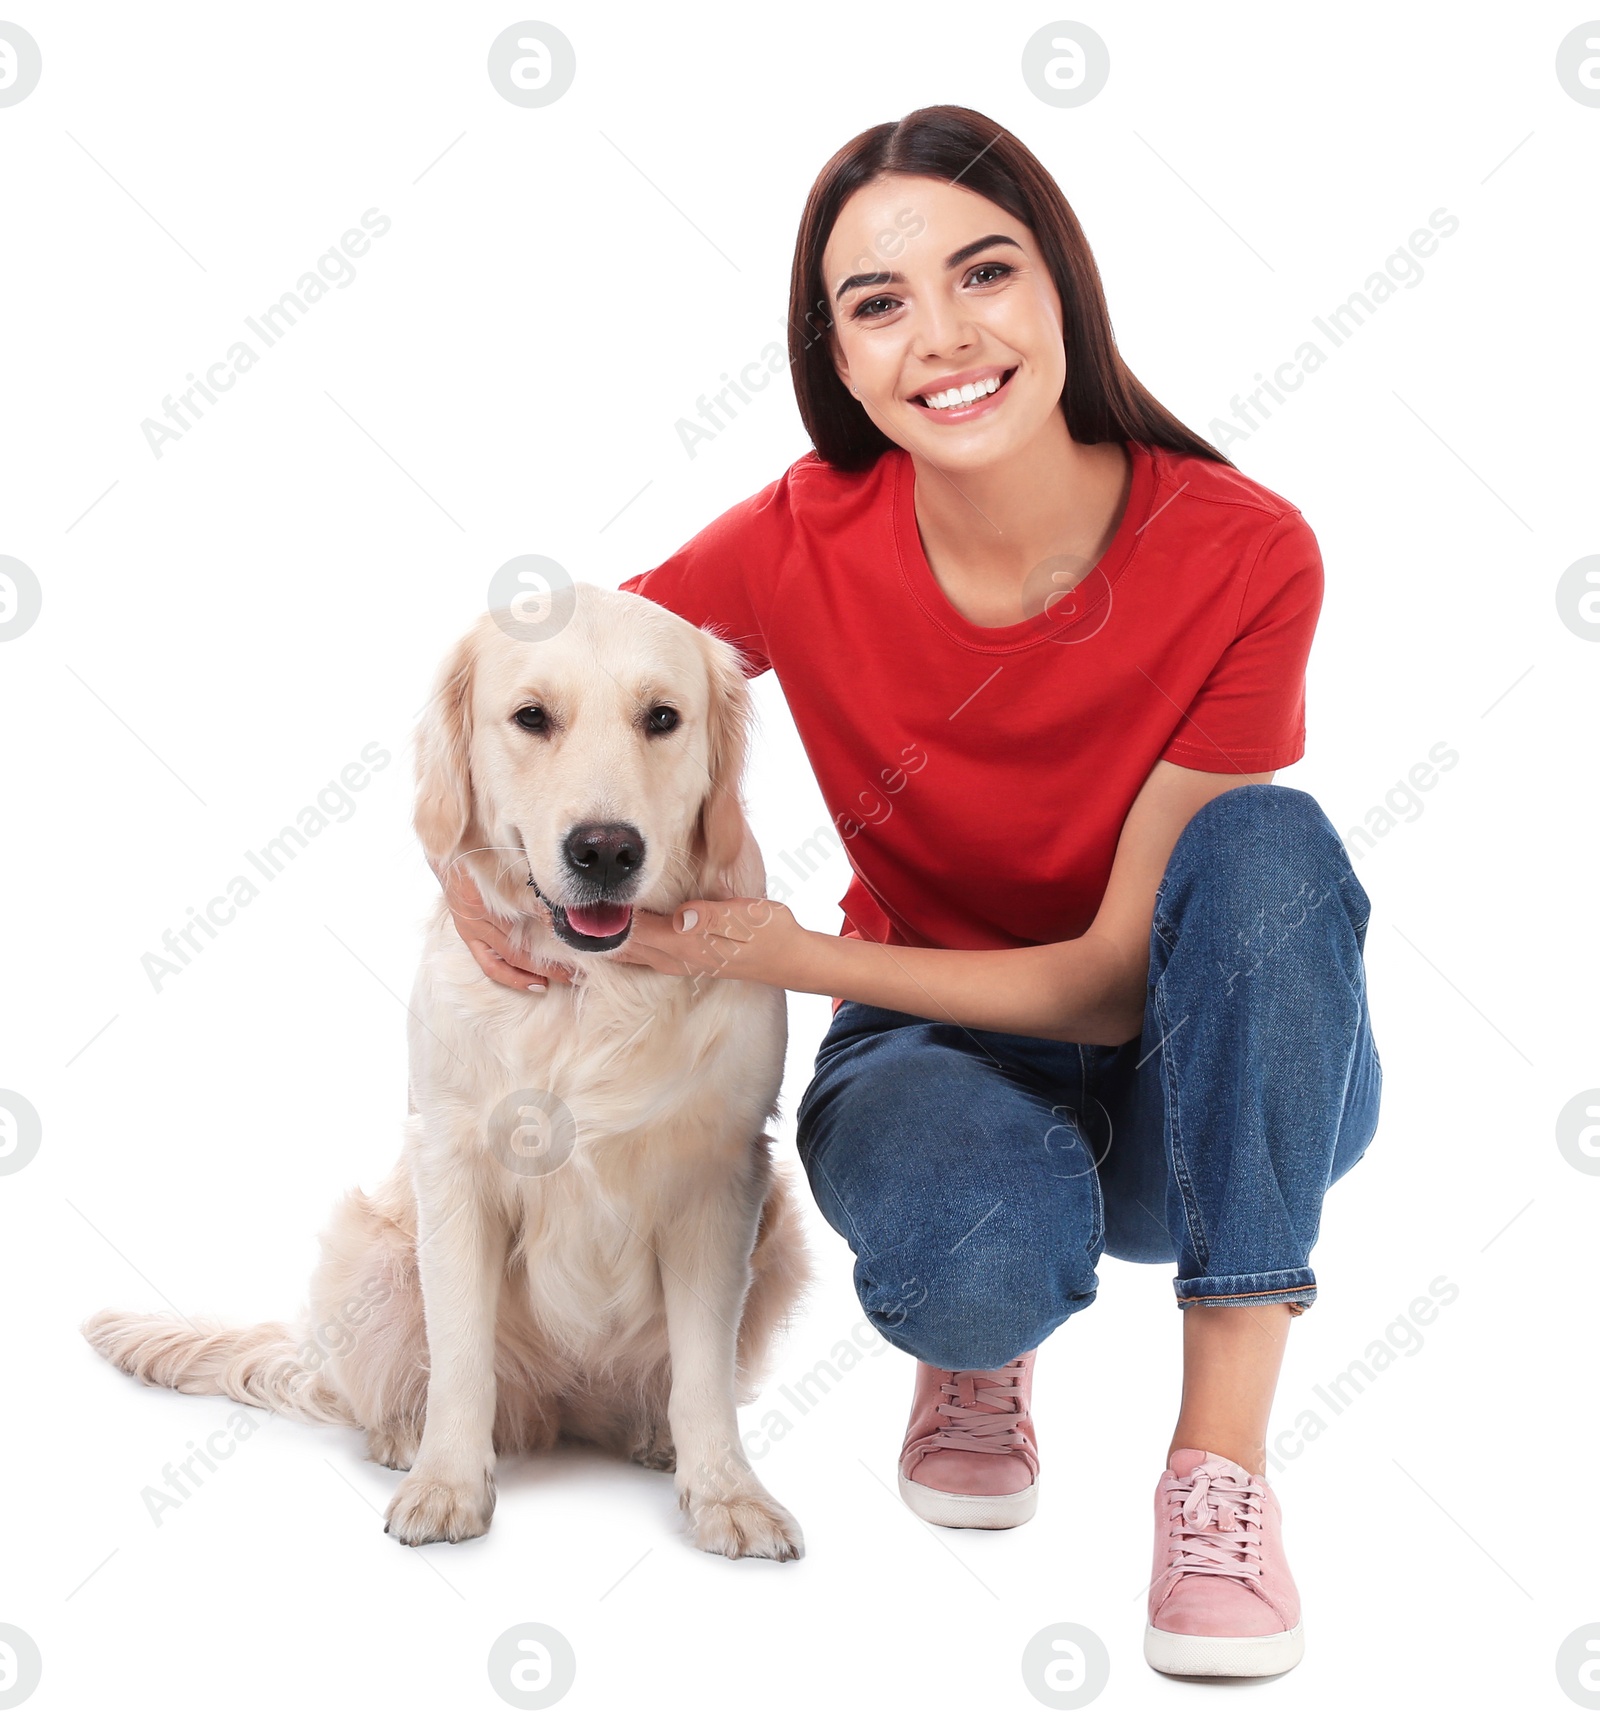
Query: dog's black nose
[606, 855]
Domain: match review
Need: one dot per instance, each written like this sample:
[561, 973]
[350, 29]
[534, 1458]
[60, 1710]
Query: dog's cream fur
[629, 1295]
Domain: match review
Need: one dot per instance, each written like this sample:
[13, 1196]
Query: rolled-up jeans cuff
[1296, 1288]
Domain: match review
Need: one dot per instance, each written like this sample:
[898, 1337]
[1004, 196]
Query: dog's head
[597, 768]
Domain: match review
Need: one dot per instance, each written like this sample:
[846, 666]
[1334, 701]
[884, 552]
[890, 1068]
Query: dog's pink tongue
[598, 919]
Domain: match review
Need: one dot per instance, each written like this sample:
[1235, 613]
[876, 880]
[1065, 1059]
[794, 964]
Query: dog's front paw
[751, 1525]
[428, 1507]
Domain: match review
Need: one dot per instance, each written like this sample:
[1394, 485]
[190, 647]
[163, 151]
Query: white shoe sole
[954, 1509]
[1224, 1656]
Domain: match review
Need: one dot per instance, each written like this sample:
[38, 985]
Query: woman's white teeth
[962, 394]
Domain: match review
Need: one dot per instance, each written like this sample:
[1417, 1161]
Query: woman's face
[932, 288]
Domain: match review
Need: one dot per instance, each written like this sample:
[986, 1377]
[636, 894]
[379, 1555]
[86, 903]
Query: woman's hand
[745, 939]
[489, 941]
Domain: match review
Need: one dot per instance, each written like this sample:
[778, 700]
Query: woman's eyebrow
[961, 256]
[875, 279]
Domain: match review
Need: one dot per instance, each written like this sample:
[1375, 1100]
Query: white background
[227, 626]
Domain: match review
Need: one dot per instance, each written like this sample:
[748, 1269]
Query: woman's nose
[940, 327]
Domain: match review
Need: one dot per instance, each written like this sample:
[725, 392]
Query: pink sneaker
[969, 1459]
[1222, 1601]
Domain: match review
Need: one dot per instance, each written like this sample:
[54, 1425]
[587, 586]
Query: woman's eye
[533, 719]
[869, 309]
[662, 719]
[999, 269]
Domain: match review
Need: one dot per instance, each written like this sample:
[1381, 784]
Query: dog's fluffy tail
[264, 1366]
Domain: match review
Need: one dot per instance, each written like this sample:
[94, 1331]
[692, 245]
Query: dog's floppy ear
[723, 833]
[444, 798]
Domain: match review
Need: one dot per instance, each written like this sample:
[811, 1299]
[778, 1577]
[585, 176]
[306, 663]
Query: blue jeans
[978, 1176]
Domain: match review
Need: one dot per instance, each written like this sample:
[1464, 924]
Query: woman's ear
[723, 833]
[444, 797]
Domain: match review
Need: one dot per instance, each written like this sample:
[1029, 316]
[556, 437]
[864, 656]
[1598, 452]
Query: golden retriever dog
[585, 1236]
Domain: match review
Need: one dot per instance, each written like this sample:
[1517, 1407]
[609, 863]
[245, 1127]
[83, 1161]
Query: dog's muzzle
[601, 862]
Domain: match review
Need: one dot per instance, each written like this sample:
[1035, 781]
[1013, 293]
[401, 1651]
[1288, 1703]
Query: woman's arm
[1088, 989]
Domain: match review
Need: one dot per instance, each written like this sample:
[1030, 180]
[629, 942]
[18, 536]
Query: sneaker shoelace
[1214, 1528]
[978, 1411]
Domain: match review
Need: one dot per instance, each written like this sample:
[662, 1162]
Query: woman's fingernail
[537, 985]
[688, 920]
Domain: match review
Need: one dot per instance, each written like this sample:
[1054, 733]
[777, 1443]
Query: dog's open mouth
[592, 925]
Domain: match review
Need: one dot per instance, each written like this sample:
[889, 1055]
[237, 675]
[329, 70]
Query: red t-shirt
[979, 776]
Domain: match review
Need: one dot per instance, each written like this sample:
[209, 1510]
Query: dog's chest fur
[592, 1111]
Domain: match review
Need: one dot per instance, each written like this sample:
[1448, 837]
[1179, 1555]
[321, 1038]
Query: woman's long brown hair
[1101, 398]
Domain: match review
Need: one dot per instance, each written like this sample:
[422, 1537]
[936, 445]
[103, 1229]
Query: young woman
[1045, 648]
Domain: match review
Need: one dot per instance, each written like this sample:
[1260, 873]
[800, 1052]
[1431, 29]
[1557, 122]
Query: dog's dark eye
[533, 719]
[661, 719]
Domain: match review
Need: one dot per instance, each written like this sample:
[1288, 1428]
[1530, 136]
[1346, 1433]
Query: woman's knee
[972, 1312]
[1261, 853]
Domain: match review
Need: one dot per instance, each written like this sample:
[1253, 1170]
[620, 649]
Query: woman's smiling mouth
[963, 396]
